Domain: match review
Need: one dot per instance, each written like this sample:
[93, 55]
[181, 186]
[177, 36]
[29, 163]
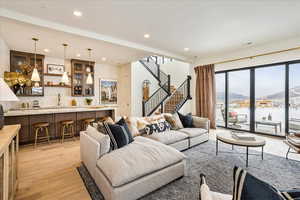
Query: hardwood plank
[49, 172]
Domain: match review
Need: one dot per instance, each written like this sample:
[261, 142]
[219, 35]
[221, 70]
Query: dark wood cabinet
[23, 63]
[24, 135]
[59, 117]
[27, 133]
[80, 69]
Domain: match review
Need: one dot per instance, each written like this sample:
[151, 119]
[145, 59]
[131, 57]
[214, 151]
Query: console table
[9, 147]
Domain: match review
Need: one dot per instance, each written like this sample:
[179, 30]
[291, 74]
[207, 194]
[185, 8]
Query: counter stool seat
[87, 122]
[41, 124]
[39, 128]
[67, 122]
[67, 129]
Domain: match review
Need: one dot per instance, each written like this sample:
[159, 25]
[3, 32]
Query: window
[270, 100]
[220, 96]
[239, 99]
[263, 99]
[294, 98]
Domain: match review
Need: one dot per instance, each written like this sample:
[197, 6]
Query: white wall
[138, 75]
[251, 51]
[4, 57]
[125, 92]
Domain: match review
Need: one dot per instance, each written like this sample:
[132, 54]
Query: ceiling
[206, 27]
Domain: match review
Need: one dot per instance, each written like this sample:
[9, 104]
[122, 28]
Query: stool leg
[36, 136]
[47, 133]
[63, 133]
[73, 133]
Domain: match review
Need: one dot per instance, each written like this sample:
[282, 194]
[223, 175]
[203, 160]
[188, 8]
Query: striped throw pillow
[119, 134]
[248, 187]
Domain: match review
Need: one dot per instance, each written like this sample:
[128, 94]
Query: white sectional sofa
[142, 166]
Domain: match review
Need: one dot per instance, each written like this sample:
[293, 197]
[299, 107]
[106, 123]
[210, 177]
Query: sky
[268, 80]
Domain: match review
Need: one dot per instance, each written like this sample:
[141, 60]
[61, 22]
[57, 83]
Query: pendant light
[89, 79]
[35, 77]
[65, 78]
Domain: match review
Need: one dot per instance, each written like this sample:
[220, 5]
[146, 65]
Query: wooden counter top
[6, 135]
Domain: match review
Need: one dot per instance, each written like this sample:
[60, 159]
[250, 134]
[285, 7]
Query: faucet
[58, 100]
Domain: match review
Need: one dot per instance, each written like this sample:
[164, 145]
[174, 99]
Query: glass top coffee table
[226, 137]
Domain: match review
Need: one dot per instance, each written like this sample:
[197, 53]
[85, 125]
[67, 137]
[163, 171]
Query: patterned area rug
[282, 173]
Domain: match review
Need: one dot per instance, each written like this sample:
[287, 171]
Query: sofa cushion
[193, 132]
[186, 120]
[137, 159]
[167, 137]
[102, 139]
[294, 141]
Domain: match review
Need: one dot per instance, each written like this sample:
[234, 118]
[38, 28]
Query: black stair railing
[162, 93]
[184, 93]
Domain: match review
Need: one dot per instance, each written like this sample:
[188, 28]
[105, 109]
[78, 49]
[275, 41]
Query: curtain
[206, 93]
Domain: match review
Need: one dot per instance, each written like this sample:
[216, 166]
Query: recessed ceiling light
[77, 13]
[103, 59]
[46, 50]
[186, 49]
[146, 36]
[248, 43]
[78, 55]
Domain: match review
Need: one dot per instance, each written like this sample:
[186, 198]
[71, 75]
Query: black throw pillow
[186, 120]
[119, 134]
[248, 187]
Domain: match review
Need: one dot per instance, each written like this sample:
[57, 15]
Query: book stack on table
[242, 136]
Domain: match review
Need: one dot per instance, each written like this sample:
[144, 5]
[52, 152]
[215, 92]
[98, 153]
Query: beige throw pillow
[174, 121]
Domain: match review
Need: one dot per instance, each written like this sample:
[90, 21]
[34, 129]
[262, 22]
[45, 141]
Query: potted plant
[89, 101]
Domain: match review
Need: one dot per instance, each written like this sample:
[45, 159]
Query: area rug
[282, 173]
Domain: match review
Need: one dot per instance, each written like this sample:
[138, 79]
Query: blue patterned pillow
[248, 187]
[158, 127]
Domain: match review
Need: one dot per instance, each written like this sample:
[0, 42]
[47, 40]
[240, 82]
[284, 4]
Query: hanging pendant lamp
[89, 79]
[35, 77]
[65, 77]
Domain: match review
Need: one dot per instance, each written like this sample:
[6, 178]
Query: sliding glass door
[270, 100]
[220, 96]
[294, 97]
[263, 99]
[238, 111]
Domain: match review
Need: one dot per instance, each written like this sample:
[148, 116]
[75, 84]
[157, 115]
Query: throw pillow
[102, 139]
[291, 194]
[248, 187]
[119, 134]
[186, 120]
[174, 121]
[158, 127]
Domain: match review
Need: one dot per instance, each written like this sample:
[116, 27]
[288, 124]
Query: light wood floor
[49, 172]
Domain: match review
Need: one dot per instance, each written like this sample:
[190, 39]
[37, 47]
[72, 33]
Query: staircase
[166, 97]
[178, 97]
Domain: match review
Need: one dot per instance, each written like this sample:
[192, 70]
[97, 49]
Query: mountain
[232, 96]
[294, 92]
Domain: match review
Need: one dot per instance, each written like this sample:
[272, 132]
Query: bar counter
[54, 115]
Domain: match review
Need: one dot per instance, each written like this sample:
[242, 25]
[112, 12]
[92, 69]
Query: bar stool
[39, 128]
[67, 129]
[87, 122]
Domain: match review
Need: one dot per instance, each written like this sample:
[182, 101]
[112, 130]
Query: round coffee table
[226, 137]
